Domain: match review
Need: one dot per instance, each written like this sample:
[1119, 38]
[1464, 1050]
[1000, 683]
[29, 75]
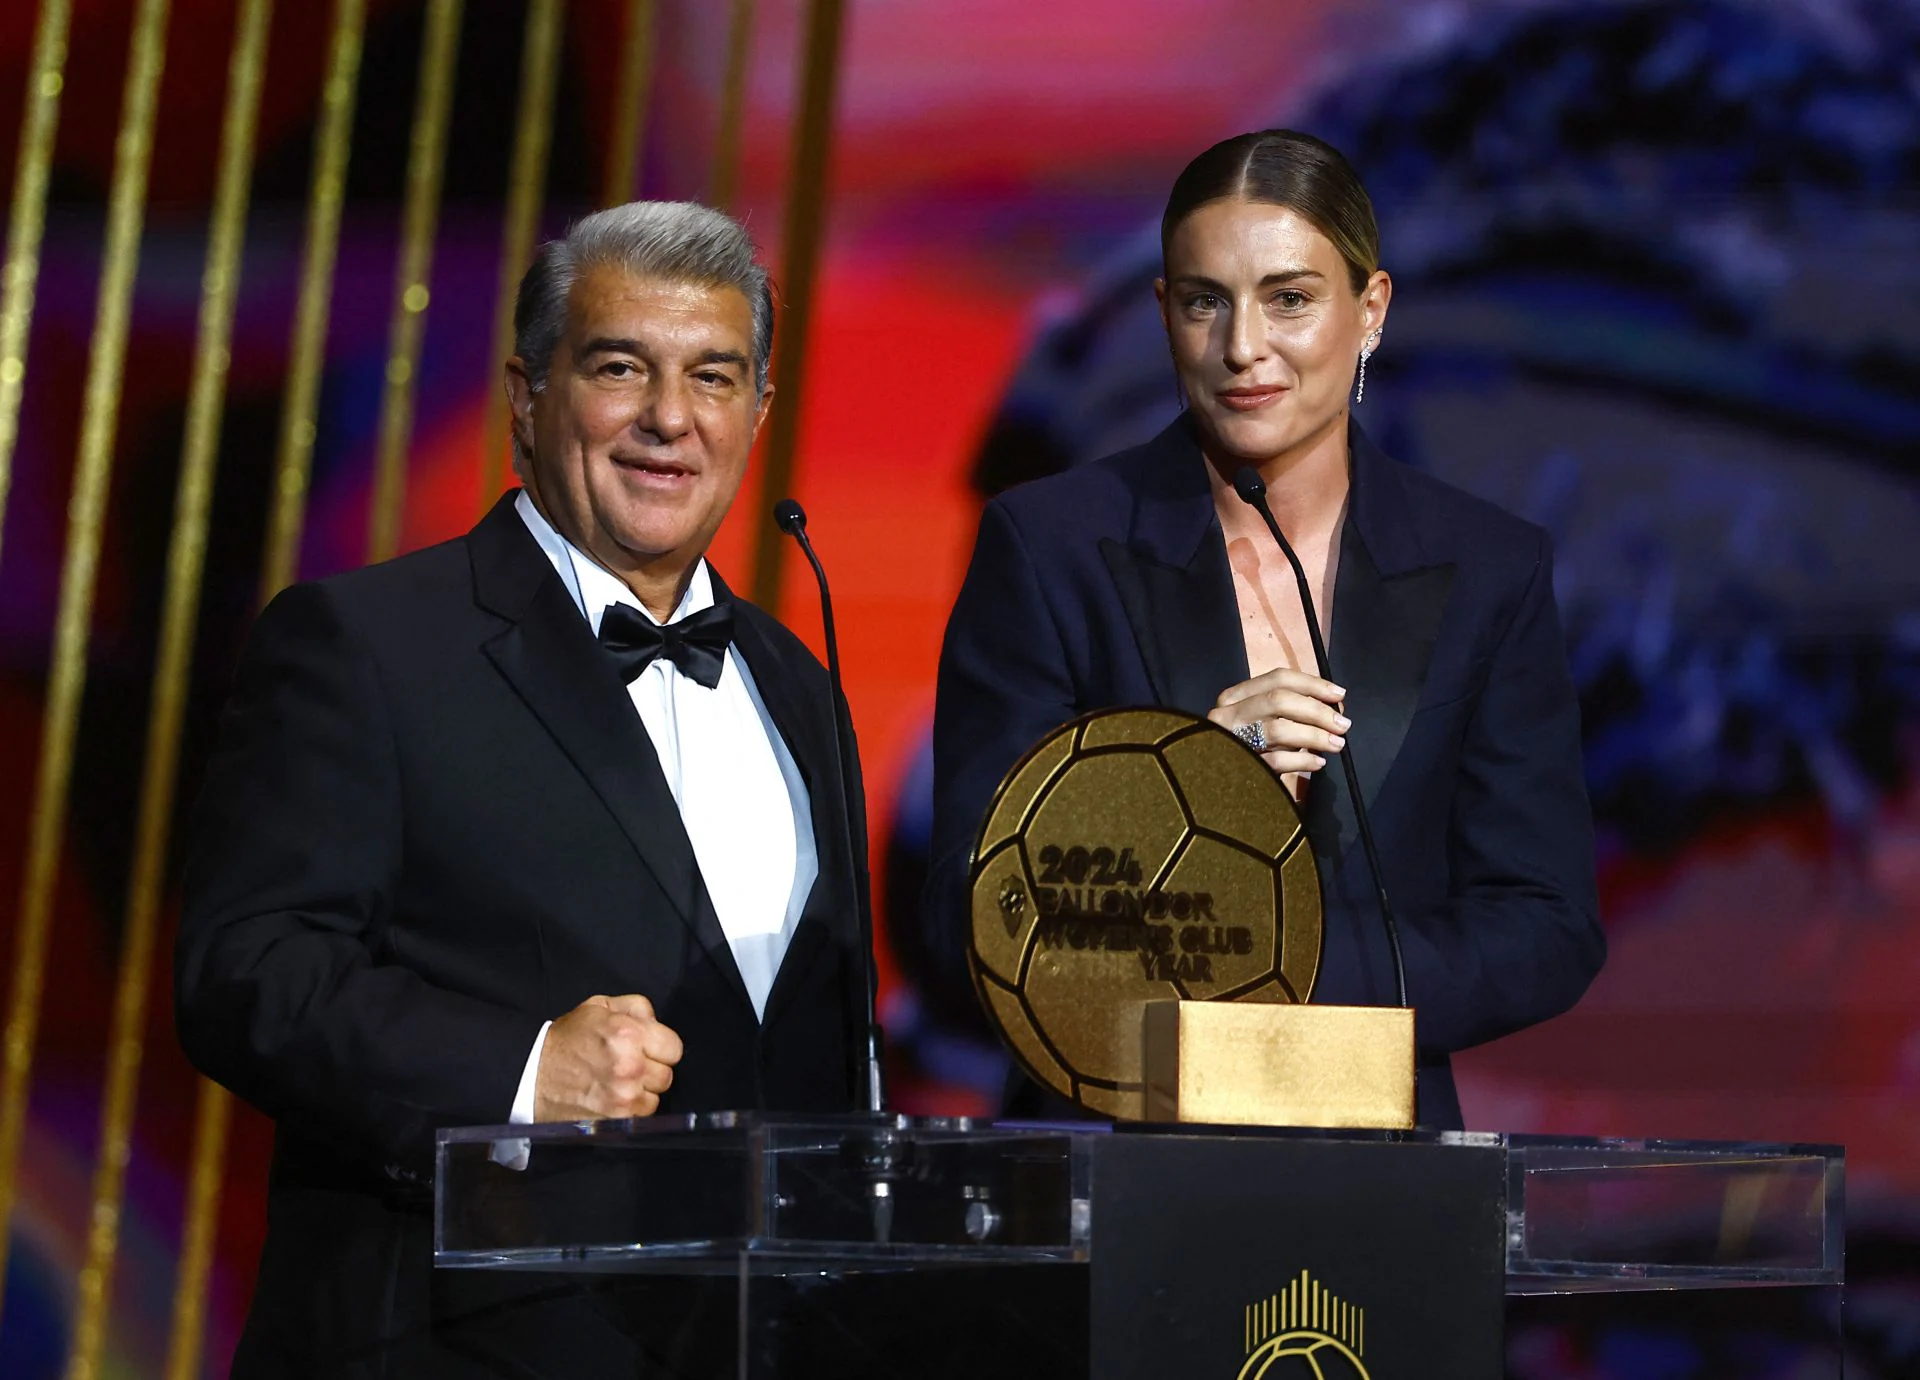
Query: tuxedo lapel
[1173, 580]
[785, 695]
[791, 703]
[1387, 605]
[549, 656]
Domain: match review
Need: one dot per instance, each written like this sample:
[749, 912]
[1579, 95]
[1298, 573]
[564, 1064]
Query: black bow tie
[696, 645]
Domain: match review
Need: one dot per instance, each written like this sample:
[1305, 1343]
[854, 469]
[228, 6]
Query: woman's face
[1265, 327]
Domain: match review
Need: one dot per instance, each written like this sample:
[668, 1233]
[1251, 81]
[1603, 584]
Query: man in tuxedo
[538, 824]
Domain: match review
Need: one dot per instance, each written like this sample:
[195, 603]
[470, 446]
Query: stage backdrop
[1657, 276]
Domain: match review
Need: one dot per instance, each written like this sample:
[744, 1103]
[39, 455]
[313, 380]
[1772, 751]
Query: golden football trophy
[1147, 930]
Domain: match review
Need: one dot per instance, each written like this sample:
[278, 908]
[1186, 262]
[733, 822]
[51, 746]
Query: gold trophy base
[1274, 1064]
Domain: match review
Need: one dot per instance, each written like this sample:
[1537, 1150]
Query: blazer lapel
[1388, 600]
[549, 656]
[1173, 580]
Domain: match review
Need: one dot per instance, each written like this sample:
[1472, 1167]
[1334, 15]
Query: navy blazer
[1108, 585]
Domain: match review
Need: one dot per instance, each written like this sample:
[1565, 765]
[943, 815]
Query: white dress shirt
[742, 799]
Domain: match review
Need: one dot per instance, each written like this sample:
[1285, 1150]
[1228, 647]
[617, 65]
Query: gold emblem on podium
[1304, 1333]
[1135, 855]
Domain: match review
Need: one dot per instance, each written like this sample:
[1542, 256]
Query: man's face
[638, 443]
[1264, 325]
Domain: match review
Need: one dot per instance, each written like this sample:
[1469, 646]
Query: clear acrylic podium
[1006, 1248]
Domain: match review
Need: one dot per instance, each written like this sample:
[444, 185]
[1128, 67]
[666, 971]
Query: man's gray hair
[680, 241]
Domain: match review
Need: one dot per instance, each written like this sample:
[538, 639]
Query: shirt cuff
[513, 1154]
[522, 1114]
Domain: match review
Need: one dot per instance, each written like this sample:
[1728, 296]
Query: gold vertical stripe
[186, 558]
[27, 221]
[723, 184]
[805, 228]
[540, 56]
[86, 515]
[326, 195]
[433, 102]
[212, 1110]
[626, 152]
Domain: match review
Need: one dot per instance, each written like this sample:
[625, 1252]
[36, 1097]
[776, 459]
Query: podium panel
[878, 1246]
[1222, 1255]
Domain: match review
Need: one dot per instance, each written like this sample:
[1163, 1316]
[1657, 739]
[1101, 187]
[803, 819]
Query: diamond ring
[1254, 735]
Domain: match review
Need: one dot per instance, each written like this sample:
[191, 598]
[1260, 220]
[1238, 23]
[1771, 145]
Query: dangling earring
[1366, 353]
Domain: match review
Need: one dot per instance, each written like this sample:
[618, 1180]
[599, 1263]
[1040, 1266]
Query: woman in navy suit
[1143, 579]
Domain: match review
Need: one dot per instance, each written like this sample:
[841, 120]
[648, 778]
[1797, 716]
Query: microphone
[1253, 492]
[792, 519]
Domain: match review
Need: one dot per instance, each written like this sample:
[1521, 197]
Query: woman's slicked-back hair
[1282, 167]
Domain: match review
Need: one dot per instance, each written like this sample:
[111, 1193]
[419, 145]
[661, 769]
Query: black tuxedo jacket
[434, 820]
[1108, 585]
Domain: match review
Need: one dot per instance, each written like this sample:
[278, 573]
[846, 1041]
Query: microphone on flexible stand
[792, 520]
[1253, 492]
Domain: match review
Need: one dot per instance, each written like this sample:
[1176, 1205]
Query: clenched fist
[608, 1057]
